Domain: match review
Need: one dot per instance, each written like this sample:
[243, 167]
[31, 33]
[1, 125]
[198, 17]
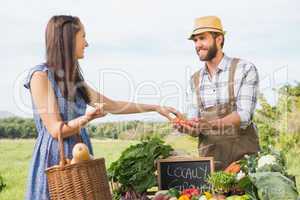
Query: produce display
[261, 176]
[256, 177]
[233, 168]
[173, 194]
[222, 182]
[134, 172]
[266, 177]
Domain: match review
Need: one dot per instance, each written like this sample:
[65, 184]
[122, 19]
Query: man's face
[205, 46]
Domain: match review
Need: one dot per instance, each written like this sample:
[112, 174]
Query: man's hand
[183, 128]
[201, 124]
[193, 127]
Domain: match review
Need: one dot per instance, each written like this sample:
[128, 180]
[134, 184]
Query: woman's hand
[95, 112]
[90, 114]
[168, 111]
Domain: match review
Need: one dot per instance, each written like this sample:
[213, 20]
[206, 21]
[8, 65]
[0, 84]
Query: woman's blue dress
[46, 152]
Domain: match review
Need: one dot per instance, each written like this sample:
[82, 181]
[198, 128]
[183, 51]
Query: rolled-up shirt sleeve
[247, 96]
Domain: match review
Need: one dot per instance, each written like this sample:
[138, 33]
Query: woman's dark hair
[60, 56]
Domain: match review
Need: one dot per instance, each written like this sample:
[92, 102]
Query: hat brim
[199, 31]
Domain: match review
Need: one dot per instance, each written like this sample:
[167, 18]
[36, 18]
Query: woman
[59, 98]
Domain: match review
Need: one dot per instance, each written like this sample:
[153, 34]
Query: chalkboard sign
[182, 173]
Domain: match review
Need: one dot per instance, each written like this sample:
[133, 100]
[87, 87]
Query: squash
[80, 153]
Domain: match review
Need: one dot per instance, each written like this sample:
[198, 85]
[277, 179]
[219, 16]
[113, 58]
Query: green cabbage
[274, 186]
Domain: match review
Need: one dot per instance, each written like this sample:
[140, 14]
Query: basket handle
[78, 139]
[62, 161]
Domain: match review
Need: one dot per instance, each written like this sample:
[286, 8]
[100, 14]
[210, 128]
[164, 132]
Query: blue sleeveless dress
[46, 149]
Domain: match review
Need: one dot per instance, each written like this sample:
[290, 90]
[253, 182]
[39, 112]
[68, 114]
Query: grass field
[15, 158]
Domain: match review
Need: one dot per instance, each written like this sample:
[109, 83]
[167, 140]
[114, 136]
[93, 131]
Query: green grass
[15, 158]
[110, 149]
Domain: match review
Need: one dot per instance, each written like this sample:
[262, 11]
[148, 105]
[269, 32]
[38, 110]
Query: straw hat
[207, 24]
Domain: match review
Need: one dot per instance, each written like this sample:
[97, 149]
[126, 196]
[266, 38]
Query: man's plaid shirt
[214, 90]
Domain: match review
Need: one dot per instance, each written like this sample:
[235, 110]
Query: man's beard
[211, 52]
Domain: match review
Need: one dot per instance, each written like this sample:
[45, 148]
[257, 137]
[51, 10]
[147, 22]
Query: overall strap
[232, 70]
[196, 79]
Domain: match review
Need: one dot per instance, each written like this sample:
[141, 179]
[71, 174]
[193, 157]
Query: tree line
[277, 124]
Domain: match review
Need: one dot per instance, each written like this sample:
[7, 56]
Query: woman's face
[81, 43]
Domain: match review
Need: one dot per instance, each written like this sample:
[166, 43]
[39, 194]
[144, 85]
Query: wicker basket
[86, 180]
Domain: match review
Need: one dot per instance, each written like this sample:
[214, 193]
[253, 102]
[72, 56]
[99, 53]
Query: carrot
[233, 168]
[179, 121]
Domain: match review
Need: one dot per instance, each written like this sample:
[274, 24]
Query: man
[225, 92]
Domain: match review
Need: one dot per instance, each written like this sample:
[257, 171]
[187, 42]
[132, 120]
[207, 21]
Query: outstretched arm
[124, 107]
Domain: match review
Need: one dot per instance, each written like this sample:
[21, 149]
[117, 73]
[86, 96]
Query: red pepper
[191, 192]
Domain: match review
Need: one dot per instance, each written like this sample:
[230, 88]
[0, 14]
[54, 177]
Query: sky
[138, 50]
